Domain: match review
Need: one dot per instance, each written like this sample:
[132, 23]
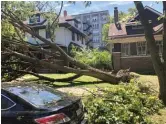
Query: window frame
[159, 45]
[48, 35]
[73, 36]
[125, 49]
[78, 37]
[9, 100]
[139, 45]
[82, 41]
[36, 31]
[134, 27]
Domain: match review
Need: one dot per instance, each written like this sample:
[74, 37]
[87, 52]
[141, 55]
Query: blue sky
[79, 7]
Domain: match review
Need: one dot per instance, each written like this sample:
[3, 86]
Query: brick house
[128, 44]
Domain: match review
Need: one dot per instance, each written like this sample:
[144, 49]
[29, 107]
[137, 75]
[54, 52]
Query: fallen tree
[82, 69]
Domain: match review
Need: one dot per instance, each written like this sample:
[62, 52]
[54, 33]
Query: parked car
[38, 104]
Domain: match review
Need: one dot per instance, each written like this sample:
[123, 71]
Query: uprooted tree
[14, 44]
[159, 63]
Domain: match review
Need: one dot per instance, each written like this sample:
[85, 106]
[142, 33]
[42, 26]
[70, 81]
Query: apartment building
[91, 24]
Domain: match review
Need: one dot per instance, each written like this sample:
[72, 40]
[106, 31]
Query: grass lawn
[78, 86]
[83, 81]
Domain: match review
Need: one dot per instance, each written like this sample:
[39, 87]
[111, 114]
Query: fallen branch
[41, 77]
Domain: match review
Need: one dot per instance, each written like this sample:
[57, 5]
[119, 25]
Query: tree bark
[164, 32]
[157, 64]
[94, 73]
[41, 77]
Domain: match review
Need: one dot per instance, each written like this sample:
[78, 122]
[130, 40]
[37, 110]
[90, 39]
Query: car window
[37, 96]
[6, 103]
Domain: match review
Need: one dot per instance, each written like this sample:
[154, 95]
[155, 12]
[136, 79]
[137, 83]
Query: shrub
[125, 104]
[94, 58]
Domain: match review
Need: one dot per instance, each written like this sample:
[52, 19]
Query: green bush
[94, 58]
[125, 104]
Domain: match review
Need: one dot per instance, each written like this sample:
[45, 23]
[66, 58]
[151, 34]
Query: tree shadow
[68, 84]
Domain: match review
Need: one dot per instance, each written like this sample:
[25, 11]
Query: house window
[95, 26]
[141, 48]
[96, 39]
[38, 18]
[159, 45]
[82, 40]
[78, 37]
[36, 31]
[137, 27]
[48, 35]
[73, 36]
[76, 24]
[125, 49]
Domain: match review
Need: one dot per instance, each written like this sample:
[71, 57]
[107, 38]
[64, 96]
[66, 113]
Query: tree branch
[58, 14]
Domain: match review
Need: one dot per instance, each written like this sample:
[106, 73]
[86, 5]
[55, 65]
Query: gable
[151, 14]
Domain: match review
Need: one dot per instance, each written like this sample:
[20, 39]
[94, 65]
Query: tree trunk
[156, 60]
[93, 72]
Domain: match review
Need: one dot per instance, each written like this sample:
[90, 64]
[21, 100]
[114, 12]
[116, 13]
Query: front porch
[133, 53]
[140, 64]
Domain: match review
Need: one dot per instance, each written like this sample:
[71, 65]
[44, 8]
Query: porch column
[116, 60]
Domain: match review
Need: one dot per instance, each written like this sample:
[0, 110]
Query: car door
[10, 110]
[7, 104]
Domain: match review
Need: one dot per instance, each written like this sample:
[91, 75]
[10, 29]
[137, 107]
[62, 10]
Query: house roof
[114, 33]
[39, 23]
[146, 8]
[72, 28]
[67, 18]
[135, 38]
[64, 19]
[63, 22]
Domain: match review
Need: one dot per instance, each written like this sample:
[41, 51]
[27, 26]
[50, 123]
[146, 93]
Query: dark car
[38, 104]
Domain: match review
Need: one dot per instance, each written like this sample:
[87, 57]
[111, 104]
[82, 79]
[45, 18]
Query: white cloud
[65, 5]
[120, 2]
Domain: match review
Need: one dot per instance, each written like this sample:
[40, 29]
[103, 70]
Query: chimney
[116, 18]
[65, 13]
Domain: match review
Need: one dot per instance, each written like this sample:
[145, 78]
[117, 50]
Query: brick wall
[137, 63]
[141, 64]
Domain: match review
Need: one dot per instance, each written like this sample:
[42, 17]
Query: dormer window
[137, 27]
[34, 18]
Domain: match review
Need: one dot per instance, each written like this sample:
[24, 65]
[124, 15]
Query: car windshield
[36, 95]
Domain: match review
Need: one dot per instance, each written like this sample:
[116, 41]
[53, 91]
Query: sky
[79, 7]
